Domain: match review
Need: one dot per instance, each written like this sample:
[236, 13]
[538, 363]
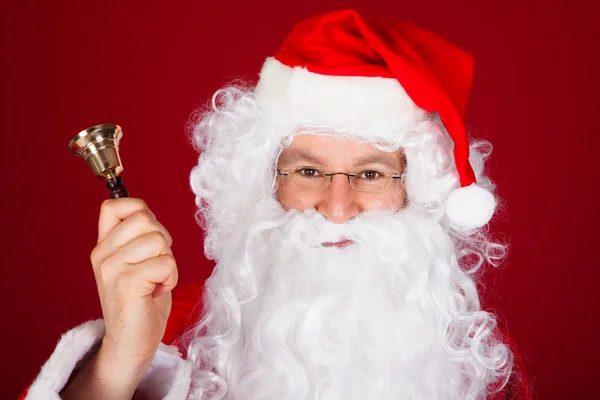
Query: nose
[338, 203]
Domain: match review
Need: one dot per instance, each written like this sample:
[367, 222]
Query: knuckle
[170, 261]
[175, 273]
[106, 206]
[174, 269]
[96, 255]
[152, 243]
[110, 205]
[141, 203]
[170, 265]
[157, 239]
[143, 217]
[169, 238]
[109, 269]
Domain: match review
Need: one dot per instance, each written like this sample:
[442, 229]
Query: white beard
[383, 318]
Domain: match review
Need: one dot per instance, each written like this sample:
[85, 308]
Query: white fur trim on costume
[73, 346]
[470, 207]
[359, 104]
[167, 378]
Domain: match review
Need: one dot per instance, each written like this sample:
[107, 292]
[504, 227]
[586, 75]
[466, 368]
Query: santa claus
[346, 210]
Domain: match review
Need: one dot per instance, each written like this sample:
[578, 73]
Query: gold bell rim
[93, 129]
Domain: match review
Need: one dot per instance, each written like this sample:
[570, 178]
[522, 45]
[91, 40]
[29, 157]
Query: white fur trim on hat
[359, 104]
[167, 378]
[470, 207]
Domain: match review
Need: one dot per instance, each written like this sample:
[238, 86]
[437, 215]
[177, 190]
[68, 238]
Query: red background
[68, 65]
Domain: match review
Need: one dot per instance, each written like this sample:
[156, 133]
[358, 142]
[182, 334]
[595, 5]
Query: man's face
[347, 299]
[315, 155]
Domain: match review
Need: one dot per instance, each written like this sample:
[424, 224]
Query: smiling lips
[341, 244]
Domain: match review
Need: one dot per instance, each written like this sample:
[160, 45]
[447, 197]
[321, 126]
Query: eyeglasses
[313, 180]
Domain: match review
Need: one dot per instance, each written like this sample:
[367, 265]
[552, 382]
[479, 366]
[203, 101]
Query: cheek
[394, 201]
[290, 199]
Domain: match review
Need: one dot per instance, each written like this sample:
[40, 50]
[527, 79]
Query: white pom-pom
[470, 207]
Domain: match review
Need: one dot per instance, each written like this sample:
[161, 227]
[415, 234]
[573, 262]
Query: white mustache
[310, 229]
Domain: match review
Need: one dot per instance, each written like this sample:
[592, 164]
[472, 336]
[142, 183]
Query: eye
[370, 175]
[308, 172]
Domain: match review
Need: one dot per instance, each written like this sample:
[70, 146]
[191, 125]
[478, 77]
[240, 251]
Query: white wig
[240, 142]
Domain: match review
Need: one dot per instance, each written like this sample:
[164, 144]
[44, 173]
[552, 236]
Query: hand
[135, 272]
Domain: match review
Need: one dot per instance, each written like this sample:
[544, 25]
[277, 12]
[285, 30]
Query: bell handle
[117, 190]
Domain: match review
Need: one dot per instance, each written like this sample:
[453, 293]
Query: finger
[137, 224]
[142, 248]
[114, 211]
[157, 275]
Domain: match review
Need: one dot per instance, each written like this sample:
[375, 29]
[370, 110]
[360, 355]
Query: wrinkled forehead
[339, 151]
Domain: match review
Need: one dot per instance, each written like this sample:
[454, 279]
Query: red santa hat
[340, 69]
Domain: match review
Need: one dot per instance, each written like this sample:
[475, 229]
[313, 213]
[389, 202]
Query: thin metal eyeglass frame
[283, 172]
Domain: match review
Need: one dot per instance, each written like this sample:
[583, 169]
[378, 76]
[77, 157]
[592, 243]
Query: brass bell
[99, 147]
